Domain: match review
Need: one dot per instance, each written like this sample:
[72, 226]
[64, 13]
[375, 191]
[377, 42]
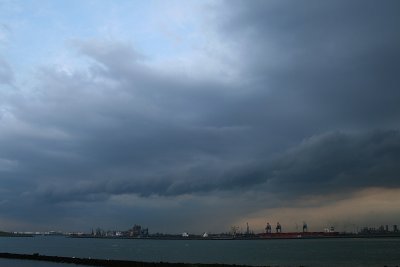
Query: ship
[278, 234]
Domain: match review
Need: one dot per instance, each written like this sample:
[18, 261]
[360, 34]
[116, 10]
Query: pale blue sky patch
[42, 32]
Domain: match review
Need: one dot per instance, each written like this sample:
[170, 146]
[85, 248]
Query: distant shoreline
[271, 237]
[7, 234]
[107, 263]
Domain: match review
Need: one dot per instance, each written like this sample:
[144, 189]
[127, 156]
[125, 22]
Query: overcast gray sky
[199, 115]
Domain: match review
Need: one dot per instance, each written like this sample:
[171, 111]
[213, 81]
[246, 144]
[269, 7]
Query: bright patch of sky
[35, 34]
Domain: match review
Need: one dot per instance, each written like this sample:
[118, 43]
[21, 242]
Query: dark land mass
[108, 263]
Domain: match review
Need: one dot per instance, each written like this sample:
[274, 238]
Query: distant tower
[268, 228]
[247, 229]
[234, 230]
[278, 228]
[305, 228]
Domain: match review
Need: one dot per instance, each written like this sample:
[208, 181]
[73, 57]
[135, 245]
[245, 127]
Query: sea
[343, 252]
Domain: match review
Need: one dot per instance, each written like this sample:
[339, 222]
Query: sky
[199, 115]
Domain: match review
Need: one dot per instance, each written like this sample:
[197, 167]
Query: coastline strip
[107, 262]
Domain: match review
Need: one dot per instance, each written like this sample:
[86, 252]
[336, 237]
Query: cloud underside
[333, 162]
[122, 128]
[306, 105]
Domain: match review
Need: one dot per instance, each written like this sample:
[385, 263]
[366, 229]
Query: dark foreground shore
[107, 263]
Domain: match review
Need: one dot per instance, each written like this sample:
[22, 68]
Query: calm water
[313, 252]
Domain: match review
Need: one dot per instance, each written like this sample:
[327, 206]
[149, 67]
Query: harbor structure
[268, 228]
[278, 228]
[305, 227]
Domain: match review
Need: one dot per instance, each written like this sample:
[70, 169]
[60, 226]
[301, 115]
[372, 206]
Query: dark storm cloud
[112, 132]
[338, 162]
[330, 63]
[333, 162]
[311, 114]
[320, 67]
